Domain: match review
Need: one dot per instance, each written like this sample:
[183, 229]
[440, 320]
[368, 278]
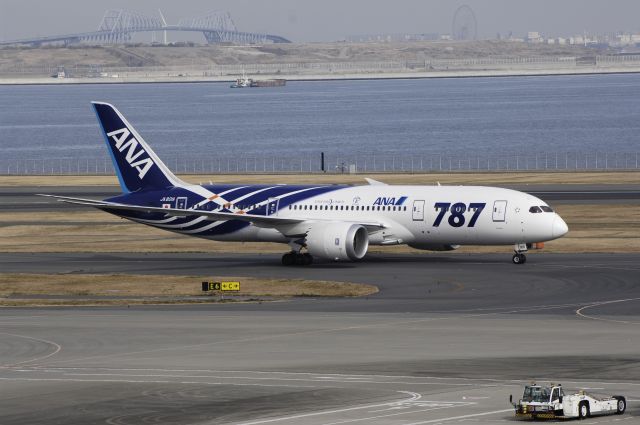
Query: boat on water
[242, 82]
[278, 82]
[249, 82]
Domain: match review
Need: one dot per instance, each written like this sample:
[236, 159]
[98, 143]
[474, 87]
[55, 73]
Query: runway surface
[446, 340]
[23, 198]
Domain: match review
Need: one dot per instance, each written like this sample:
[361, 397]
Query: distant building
[388, 38]
[534, 37]
[578, 39]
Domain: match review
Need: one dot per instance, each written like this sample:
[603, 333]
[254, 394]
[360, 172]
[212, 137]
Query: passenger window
[535, 210]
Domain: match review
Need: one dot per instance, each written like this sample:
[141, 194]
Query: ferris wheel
[464, 26]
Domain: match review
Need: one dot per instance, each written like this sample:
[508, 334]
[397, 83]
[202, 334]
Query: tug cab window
[536, 394]
[535, 210]
[557, 393]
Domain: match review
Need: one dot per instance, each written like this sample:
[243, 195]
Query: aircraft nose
[559, 227]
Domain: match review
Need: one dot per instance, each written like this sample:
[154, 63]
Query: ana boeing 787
[328, 222]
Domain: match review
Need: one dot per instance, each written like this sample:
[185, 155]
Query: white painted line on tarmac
[315, 332]
[250, 378]
[409, 412]
[57, 347]
[453, 418]
[414, 396]
[580, 311]
[493, 381]
[155, 381]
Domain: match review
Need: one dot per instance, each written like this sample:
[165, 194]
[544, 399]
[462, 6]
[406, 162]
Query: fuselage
[421, 216]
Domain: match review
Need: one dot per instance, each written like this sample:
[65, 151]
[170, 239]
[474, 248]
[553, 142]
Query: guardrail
[561, 161]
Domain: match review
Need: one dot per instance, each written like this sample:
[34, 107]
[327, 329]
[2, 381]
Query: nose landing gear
[519, 257]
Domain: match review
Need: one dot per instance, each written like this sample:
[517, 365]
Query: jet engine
[338, 241]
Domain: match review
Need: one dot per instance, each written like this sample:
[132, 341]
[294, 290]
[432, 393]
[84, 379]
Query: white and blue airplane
[328, 222]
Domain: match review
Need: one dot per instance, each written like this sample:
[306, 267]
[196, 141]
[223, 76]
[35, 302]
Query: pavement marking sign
[230, 286]
[220, 286]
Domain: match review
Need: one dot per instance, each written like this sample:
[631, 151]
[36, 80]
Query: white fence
[562, 161]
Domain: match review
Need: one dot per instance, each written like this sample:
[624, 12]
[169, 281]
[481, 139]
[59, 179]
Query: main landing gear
[296, 259]
[519, 257]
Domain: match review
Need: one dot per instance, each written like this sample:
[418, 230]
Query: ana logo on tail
[143, 165]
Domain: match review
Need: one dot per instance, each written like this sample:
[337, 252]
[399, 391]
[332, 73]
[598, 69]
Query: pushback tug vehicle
[550, 402]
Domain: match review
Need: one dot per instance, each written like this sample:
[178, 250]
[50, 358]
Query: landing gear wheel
[519, 258]
[621, 405]
[583, 410]
[295, 258]
[308, 259]
[288, 259]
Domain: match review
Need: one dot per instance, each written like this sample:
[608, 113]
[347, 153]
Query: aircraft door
[181, 203]
[499, 211]
[418, 210]
[272, 206]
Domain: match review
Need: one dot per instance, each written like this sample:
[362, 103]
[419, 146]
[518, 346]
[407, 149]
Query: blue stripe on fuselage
[153, 199]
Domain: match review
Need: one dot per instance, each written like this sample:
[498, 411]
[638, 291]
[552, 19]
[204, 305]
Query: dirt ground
[24, 289]
[135, 56]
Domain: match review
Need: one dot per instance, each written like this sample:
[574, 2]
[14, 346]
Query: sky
[330, 20]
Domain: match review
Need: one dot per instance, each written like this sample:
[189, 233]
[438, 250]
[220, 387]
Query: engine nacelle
[338, 241]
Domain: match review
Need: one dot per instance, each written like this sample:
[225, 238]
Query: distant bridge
[118, 26]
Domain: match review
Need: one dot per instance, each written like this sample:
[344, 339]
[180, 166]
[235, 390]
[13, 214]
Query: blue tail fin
[137, 166]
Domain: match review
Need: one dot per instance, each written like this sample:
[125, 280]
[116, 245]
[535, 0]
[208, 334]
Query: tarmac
[446, 340]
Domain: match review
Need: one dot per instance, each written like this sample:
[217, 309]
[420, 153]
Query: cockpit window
[546, 208]
[535, 209]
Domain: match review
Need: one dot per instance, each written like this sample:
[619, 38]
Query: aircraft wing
[258, 220]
